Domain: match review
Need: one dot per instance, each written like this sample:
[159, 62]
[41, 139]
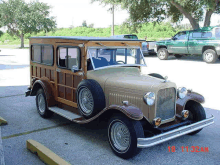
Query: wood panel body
[63, 81]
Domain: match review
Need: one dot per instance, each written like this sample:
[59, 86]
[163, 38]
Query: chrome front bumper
[148, 142]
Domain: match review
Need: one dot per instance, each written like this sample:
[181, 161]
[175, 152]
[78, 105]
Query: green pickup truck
[204, 41]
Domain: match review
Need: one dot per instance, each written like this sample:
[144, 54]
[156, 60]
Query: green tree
[21, 18]
[158, 10]
[84, 24]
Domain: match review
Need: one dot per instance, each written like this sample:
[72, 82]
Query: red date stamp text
[189, 149]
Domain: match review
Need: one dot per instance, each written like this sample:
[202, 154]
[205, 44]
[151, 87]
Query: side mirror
[174, 38]
[74, 68]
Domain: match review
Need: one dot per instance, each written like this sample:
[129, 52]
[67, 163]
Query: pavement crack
[37, 130]
[12, 95]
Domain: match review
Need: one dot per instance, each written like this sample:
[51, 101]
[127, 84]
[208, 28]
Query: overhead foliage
[21, 18]
[158, 10]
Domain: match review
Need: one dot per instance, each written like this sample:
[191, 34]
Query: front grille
[166, 103]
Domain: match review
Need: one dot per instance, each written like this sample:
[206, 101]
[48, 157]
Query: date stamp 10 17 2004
[189, 149]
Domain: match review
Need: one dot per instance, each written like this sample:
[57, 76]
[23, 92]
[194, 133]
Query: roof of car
[86, 38]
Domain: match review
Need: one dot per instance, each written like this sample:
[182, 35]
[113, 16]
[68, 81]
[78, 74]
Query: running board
[67, 114]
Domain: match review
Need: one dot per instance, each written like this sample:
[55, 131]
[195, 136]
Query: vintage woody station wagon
[87, 78]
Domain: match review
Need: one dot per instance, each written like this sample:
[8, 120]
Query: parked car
[147, 46]
[85, 78]
[205, 42]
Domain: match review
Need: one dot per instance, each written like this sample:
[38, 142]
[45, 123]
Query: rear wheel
[41, 103]
[210, 56]
[162, 54]
[122, 134]
[196, 113]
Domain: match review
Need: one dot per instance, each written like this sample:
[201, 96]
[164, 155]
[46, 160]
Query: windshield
[109, 57]
[131, 36]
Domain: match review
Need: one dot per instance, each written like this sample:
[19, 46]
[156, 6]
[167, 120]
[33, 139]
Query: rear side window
[68, 57]
[42, 54]
[47, 55]
[217, 32]
[202, 35]
[36, 53]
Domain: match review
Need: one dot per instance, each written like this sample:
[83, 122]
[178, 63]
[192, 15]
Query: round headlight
[149, 98]
[182, 92]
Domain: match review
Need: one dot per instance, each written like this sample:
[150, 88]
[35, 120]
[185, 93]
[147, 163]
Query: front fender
[129, 110]
[191, 96]
[47, 87]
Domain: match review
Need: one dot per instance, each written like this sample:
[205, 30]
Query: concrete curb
[3, 121]
[45, 154]
[2, 160]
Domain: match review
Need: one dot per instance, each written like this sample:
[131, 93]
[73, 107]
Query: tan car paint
[128, 84]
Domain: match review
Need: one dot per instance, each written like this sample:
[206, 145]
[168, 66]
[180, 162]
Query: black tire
[92, 100]
[196, 113]
[41, 104]
[117, 137]
[156, 75]
[209, 56]
[162, 54]
[178, 56]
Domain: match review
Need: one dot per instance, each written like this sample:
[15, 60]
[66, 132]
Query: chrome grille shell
[166, 103]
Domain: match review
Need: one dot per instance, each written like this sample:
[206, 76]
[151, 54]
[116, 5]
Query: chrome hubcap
[41, 103]
[209, 57]
[162, 54]
[86, 101]
[120, 136]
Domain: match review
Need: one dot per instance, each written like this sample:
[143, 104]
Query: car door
[178, 44]
[66, 80]
[193, 43]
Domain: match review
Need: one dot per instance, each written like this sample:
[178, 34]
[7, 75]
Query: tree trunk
[207, 18]
[193, 22]
[22, 40]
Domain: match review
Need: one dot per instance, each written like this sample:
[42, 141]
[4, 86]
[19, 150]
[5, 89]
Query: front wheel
[196, 113]
[162, 54]
[122, 134]
[210, 56]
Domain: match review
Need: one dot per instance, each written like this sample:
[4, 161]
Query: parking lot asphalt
[88, 144]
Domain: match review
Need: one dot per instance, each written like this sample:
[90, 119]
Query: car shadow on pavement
[191, 58]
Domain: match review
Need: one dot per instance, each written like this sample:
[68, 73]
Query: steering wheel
[121, 62]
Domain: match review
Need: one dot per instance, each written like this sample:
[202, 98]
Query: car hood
[127, 79]
[128, 84]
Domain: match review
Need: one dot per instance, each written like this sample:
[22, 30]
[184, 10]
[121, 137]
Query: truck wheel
[90, 98]
[178, 56]
[196, 113]
[41, 103]
[156, 75]
[162, 54]
[210, 56]
[122, 135]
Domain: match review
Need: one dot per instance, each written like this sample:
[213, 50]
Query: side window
[62, 57]
[206, 35]
[217, 32]
[180, 36]
[36, 53]
[42, 54]
[67, 57]
[197, 35]
[47, 55]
